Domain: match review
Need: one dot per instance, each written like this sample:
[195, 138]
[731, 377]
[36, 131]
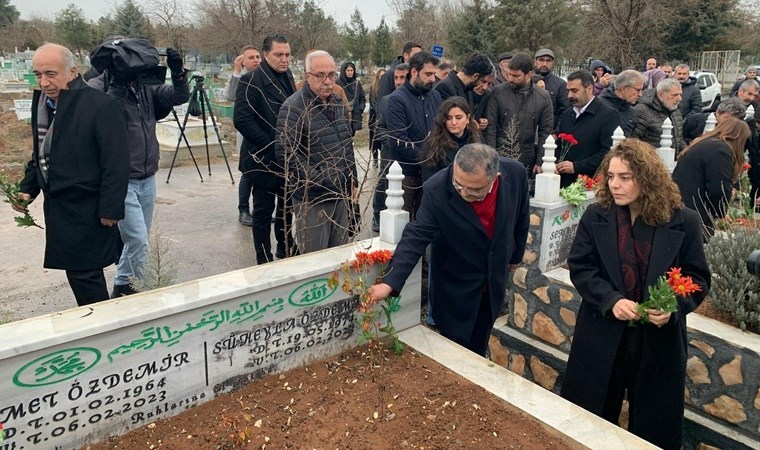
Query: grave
[168, 134]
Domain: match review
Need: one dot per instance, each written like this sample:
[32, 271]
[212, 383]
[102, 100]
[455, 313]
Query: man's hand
[379, 292]
[108, 222]
[237, 65]
[625, 309]
[605, 80]
[657, 317]
[482, 124]
[22, 200]
[174, 61]
[354, 192]
[537, 169]
[565, 167]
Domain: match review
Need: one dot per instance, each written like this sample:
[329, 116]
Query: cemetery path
[406, 401]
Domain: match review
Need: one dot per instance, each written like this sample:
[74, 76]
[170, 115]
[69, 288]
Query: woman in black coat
[707, 169]
[352, 87]
[375, 144]
[453, 128]
[636, 231]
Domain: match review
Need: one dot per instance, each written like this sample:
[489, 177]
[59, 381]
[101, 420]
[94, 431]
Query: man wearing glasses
[475, 216]
[628, 86]
[315, 147]
[257, 102]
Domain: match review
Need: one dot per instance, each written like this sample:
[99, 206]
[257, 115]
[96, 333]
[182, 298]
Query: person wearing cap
[749, 74]
[503, 62]
[544, 62]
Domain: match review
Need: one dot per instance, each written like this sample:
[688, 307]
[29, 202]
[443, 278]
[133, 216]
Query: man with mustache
[654, 107]
[409, 116]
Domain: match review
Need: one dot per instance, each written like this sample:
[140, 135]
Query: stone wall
[722, 384]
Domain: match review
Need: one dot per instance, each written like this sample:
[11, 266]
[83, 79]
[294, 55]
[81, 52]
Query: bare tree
[171, 20]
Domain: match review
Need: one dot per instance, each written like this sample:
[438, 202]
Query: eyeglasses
[479, 193]
[323, 76]
[544, 60]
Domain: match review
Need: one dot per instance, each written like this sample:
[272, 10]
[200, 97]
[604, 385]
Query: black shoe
[375, 224]
[245, 218]
[280, 253]
[122, 290]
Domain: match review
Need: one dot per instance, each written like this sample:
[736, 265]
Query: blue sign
[438, 51]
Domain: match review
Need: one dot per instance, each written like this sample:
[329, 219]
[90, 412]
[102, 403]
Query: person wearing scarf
[354, 91]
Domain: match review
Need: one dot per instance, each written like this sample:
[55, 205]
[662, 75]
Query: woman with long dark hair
[454, 127]
[707, 169]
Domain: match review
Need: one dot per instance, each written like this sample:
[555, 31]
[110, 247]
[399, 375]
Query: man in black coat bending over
[475, 215]
[258, 99]
[80, 162]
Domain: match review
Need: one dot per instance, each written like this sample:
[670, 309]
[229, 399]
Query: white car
[709, 87]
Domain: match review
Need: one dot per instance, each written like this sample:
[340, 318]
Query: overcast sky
[372, 10]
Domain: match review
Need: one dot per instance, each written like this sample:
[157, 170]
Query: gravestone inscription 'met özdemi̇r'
[85, 389]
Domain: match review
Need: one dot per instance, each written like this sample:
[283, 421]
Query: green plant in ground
[161, 266]
[10, 191]
[735, 290]
[510, 144]
[357, 277]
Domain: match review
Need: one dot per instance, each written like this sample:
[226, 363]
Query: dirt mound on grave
[406, 401]
[15, 144]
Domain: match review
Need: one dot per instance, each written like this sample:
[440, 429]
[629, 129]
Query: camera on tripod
[128, 59]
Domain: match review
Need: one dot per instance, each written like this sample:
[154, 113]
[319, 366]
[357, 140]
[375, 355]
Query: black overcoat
[257, 103]
[462, 258]
[595, 272]
[87, 178]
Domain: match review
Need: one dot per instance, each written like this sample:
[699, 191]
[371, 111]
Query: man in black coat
[622, 95]
[477, 71]
[544, 61]
[258, 99]
[386, 85]
[691, 102]
[475, 216]
[80, 162]
[591, 122]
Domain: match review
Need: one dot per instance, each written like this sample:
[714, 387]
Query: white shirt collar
[580, 111]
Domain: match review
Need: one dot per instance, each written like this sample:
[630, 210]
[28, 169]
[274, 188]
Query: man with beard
[654, 107]
[518, 102]
[692, 98]
[554, 84]
[409, 115]
[477, 70]
[591, 123]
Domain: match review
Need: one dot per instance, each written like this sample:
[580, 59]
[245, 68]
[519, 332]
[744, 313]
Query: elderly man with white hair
[314, 146]
[654, 107]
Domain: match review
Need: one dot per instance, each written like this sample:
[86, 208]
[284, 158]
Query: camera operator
[143, 104]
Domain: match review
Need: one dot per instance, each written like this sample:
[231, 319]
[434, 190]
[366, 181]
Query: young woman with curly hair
[636, 231]
[453, 128]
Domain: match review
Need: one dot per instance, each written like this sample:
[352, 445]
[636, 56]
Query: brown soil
[707, 309]
[406, 401]
[15, 145]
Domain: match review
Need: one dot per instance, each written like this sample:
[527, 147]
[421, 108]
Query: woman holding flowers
[635, 234]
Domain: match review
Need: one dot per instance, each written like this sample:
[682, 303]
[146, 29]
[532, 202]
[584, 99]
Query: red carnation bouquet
[567, 140]
[663, 297]
[358, 275]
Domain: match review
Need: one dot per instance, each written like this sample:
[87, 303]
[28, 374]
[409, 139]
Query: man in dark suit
[591, 122]
[258, 99]
[475, 215]
[80, 161]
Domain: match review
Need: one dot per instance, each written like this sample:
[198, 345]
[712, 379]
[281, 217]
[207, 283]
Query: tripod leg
[205, 133]
[219, 138]
[179, 141]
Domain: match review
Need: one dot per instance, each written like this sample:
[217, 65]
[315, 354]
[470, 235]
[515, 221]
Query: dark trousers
[244, 193]
[481, 331]
[264, 201]
[89, 286]
[378, 200]
[412, 194]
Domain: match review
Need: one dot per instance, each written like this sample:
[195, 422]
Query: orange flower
[747, 166]
[681, 285]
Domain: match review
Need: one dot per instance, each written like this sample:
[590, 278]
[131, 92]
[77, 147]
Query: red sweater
[486, 209]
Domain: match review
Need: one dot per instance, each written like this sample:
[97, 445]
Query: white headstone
[710, 122]
[393, 219]
[23, 109]
[547, 182]
[666, 151]
[750, 112]
[617, 137]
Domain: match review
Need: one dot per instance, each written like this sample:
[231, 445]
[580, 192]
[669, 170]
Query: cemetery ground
[405, 401]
